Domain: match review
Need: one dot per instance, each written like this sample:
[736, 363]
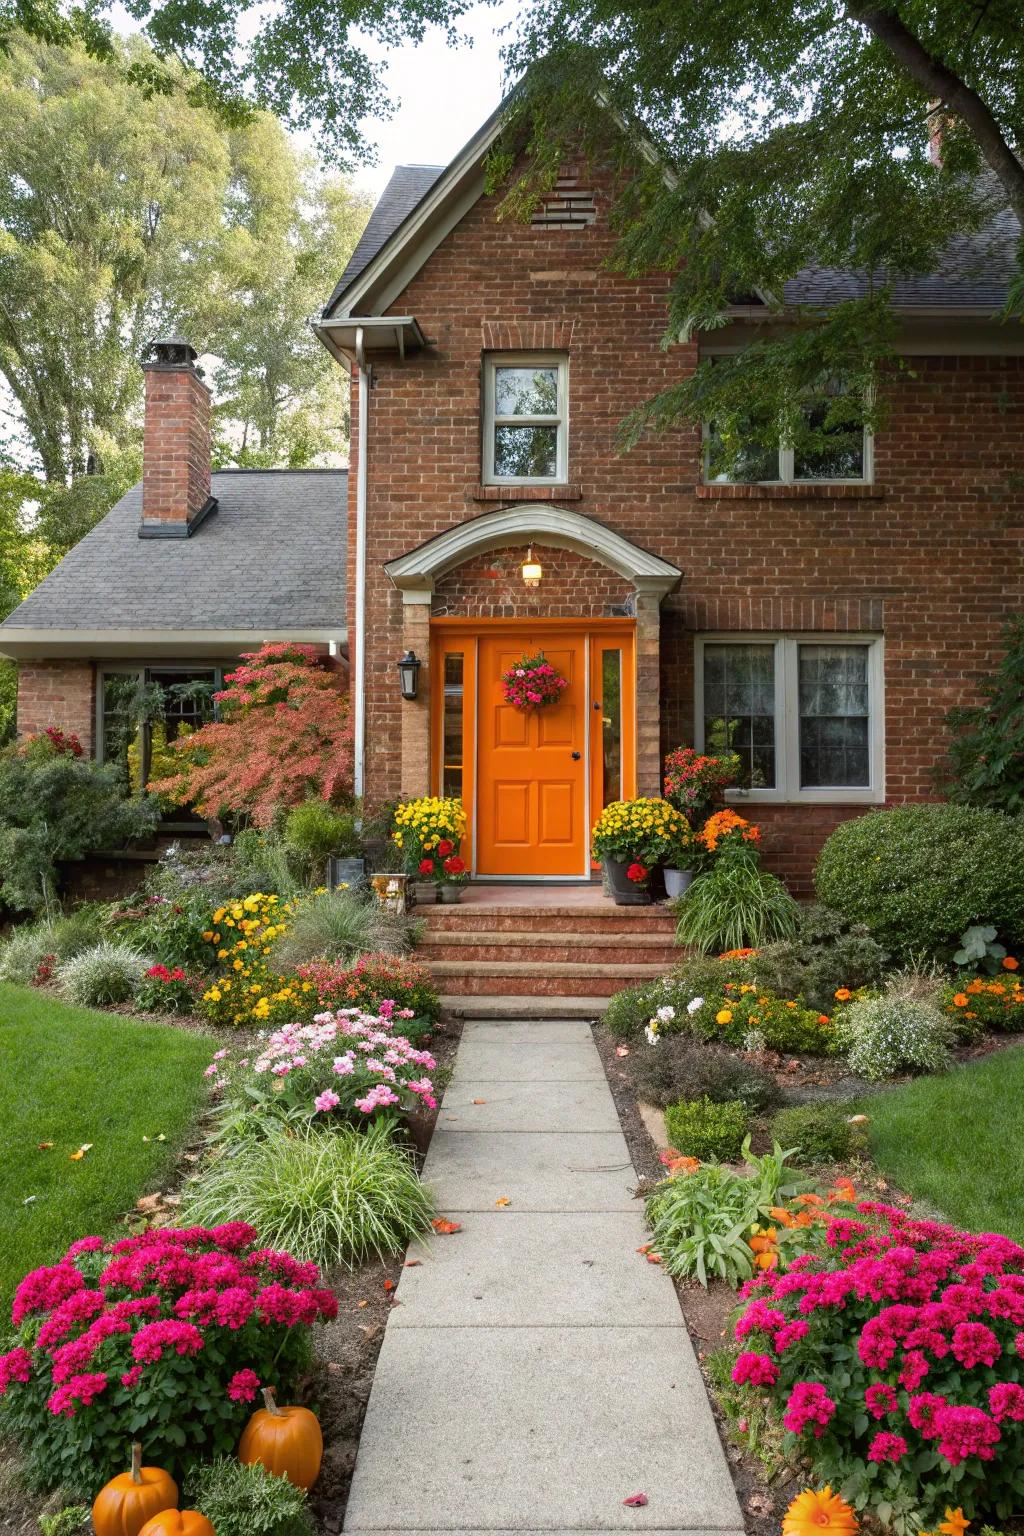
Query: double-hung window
[804, 714]
[526, 425]
[842, 454]
[142, 711]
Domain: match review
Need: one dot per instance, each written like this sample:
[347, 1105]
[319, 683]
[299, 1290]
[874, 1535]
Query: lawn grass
[954, 1141]
[70, 1075]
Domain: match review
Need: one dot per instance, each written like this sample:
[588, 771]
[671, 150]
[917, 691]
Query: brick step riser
[534, 986]
[478, 920]
[594, 954]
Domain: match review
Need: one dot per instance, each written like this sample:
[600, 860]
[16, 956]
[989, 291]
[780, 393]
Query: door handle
[576, 757]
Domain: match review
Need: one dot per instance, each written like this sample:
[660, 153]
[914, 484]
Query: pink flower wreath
[532, 683]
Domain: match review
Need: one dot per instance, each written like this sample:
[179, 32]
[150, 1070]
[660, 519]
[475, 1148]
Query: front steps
[547, 952]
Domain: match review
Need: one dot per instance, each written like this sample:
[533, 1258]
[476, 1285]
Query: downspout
[359, 679]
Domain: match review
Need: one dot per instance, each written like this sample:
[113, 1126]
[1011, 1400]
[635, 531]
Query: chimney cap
[171, 352]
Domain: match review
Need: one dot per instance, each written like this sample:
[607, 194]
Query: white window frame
[495, 360]
[787, 790]
[787, 467]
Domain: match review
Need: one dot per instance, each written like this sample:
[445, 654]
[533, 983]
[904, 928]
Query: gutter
[359, 674]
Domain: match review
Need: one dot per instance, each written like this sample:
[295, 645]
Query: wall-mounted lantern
[408, 674]
[532, 569]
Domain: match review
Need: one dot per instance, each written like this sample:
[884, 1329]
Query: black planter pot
[624, 892]
[345, 871]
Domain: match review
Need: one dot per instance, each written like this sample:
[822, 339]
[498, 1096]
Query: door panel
[531, 803]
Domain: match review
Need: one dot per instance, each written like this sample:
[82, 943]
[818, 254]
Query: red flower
[637, 873]
[445, 847]
[454, 865]
[426, 866]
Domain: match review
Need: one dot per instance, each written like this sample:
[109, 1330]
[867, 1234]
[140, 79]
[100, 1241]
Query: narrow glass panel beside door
[611, 725]
[452, 729]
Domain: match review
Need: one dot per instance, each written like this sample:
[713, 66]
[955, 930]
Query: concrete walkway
[537, 1371]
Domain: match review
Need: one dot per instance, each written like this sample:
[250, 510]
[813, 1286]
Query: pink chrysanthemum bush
[163, 1337]
[353, 1063]
[895, 1357]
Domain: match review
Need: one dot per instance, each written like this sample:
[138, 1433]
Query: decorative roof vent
[569, 206]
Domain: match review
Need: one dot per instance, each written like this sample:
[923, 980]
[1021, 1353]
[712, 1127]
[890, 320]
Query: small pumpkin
[178, 1522]
[131, 1498]
[816, 1511]
[286, 1441]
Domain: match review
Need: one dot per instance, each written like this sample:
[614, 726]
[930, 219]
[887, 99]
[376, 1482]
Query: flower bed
[894, 1357]
[164, 1337]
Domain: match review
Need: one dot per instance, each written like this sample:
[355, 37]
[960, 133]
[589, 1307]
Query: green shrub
[735, 905]
[335, 1196]
[920, 875]
[827, 952]
[679, 1067]
[703, 1129]
[818, 1133]
[172, 931]
[315, 830]
[884, 1036]
[986, 754]
[261, 862]
[22, 954]
[338, 925]
[70, 1521]
[110, 972]
[243, 1500]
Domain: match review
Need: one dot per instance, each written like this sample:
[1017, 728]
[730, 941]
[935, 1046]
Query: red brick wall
[60, 693]
[491, 587]
[176, 445]
[930, 556]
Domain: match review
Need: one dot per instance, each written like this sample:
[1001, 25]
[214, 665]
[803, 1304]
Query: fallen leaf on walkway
[389, 1285]
[362, 1303]
[478, 1101]
[635, 1501]
[45, 1146]
[654, 1258]
[622, 1050]
[503, 1200]
[413, 1263]
[445, 1228]
[76, 1157]
[645, 1248]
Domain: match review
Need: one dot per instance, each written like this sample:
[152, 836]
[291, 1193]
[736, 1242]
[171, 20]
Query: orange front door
[531, 808]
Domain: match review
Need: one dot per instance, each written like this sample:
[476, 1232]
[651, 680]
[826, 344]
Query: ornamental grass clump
[734, 904]
[337, 925]
[165, 1336]
[110, 972]
[892, 1357]
[335, 1196]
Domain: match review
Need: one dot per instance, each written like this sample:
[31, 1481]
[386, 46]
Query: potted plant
[632, 838]
[695, 783]
[429, 832]
[680, 861]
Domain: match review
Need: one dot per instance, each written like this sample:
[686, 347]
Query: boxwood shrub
[819, 1133]
[701, 1128]
[919, 875]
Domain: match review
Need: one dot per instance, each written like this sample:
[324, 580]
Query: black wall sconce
[409, 673]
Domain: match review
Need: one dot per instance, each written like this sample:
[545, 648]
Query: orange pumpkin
[178, 1522]
[130, 1499]
[287, 1441]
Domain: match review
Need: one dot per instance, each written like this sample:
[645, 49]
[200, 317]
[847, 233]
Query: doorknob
[576, 757]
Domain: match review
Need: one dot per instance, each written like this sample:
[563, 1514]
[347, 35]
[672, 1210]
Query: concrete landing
[536, 1371]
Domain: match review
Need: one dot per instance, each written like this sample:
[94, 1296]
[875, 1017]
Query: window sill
[805, 491]
[527, 493]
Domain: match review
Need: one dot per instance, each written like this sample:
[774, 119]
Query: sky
[444, 95]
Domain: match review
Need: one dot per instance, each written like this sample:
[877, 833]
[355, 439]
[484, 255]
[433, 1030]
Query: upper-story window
[845, 455]
[526, 418]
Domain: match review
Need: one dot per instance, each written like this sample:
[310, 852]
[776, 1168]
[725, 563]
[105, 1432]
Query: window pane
[122, 730]
[834, 723]
[526, 391]
[842, 458]
[739, 708]
[611, 725]
[746, 462]
[452, 727]
[522, 453]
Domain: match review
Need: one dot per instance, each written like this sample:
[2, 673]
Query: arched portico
[641, 581]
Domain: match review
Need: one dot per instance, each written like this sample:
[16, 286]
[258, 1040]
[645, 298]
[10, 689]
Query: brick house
[820, 619]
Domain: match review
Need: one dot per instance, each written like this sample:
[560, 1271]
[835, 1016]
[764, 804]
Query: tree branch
[940, 82]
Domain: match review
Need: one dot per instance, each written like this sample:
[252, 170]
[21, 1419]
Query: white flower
[694, 1003]
[666, 1013]
[652, 1033]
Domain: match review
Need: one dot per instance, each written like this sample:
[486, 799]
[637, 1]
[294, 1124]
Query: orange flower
[960, 1000]
[813, 1511]
[809, 1199]
[843, 995]
[1010, 964]
[842, 1189]
[823, 1018]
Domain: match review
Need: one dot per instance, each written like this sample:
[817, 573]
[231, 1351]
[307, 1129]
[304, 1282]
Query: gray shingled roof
[272, 557]
[408, 186]
[973, 272]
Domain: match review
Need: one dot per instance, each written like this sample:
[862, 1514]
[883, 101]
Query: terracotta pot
[625, 893]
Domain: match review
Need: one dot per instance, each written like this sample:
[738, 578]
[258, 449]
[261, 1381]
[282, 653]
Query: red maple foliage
[283, 736]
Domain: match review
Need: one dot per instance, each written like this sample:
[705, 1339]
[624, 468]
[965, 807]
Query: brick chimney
[176, 443]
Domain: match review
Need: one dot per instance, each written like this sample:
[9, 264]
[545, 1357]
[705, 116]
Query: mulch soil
[346, 1349]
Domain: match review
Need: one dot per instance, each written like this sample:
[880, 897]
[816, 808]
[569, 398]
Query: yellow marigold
[843, 994]
[723, 1016]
